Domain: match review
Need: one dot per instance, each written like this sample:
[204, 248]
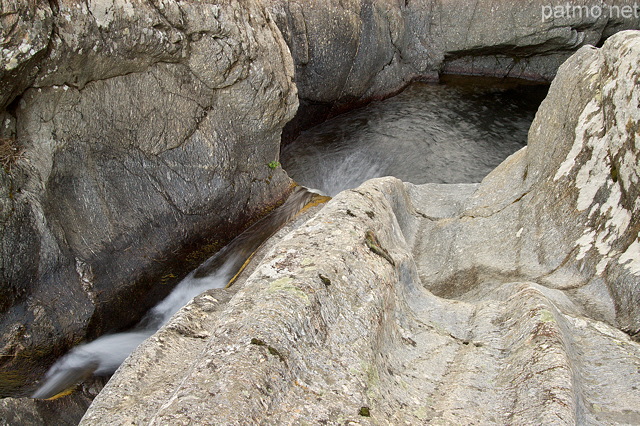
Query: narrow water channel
[450, 133]
[430, 133]
[104, 355]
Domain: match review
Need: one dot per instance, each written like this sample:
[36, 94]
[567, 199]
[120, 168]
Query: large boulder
[139, 131]
[506, 302]
[349, 52]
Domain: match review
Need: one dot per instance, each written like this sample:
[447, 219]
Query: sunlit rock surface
[145, 131]
[508, 302]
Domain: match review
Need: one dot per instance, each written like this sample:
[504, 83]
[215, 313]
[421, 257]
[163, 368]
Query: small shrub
[274, 165]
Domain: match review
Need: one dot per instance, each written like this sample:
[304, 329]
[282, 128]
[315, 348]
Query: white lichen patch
[631, 257]
[619, 217]
[585, 243]
[606, 173]
[287, 285]
[102, 11]
[591, 119]
[593, 175]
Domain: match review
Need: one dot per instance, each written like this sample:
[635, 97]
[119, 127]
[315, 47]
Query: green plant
[274, 165]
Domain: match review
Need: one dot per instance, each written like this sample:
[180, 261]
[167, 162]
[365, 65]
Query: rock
[62, 411]
[25, 33]
[350, 52]
[563, 210]
[389, 306]
[145, 135]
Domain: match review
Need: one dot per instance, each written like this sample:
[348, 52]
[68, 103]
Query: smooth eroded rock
[145, 139]
[390, 306]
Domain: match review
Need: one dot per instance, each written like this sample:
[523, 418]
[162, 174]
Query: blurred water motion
[105, 354]
[451, 133]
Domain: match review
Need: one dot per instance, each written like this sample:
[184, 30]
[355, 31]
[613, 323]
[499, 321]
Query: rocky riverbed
[514, 301]
[139, 136]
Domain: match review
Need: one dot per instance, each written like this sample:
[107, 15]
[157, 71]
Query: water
[429, 133]
[453, 133]
[105, 354]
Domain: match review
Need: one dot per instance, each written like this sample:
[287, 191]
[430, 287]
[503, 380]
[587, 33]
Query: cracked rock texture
[351, 51]
[513, 301]
[144, 129]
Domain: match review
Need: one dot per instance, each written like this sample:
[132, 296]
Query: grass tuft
[10, 153]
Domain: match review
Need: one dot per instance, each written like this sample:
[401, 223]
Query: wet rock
[512, 305]
[145, 132]
[349, 52]
[62, 411]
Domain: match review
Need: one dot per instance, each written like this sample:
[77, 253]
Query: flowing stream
[429, 133]
[105, 354]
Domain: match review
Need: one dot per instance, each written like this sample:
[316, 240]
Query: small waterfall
[333, 172]
[105, 354]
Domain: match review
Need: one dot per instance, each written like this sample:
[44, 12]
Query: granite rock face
[513, 301]
[143, 128]
[348, 52]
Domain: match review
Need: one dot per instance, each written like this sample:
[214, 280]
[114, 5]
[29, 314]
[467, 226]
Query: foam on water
[186, 290]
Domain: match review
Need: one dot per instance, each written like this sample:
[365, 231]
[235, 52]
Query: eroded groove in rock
[531, 336]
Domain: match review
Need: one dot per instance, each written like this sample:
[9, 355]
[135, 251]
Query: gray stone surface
[347, 52]
[25, 30]
[62, 411]
[506, 308]
[146, 131]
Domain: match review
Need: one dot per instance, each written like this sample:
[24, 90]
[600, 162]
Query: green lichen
[364, 412]
[273, 351]
[274, 165]
[546, 316]
[286, 284]
[372, 379]
[421, 413]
